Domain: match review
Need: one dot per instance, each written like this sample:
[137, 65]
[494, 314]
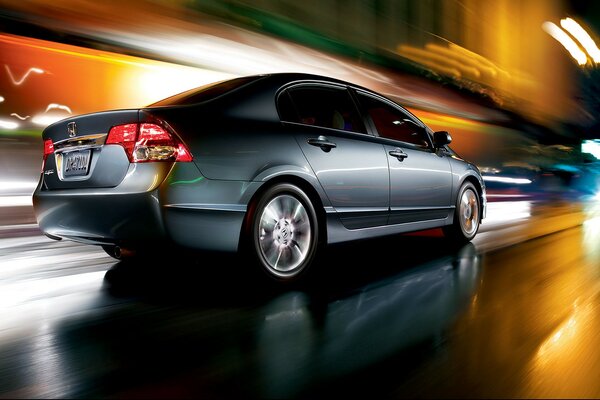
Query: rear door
[420, 178]
[350, 166]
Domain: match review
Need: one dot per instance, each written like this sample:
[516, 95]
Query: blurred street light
[583, 37]
[563, 38]
[576, 50]
[5, 124]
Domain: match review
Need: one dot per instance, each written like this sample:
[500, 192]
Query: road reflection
[404, 315]
[300, 343]
[207, 329]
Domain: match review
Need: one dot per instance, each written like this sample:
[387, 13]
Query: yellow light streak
[563, 38]
[571, 26]
[421, 57]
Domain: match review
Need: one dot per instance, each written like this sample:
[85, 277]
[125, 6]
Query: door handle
[399, 154]
[323, 143]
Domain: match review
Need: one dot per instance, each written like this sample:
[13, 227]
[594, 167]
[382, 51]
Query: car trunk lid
[80, 159]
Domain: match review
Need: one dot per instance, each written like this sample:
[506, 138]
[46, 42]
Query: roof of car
[294, 76]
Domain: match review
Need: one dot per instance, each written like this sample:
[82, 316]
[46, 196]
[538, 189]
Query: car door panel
[420, 178]
[420, 186]
[354, 175]
[350, 166]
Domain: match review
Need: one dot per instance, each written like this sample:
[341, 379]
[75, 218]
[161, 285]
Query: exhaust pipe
[121, 253]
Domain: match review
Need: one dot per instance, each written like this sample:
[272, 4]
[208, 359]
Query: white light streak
[563, 38]
[591, 147]
[1, 99]
[505, 196]
[45, 120]
[506, 179]
[18, 116]
[158, 82]
[56, 106]
[18, 185]
[5, 124]
[15, 201]
[584, 38]
[504, 211]
[24, 77]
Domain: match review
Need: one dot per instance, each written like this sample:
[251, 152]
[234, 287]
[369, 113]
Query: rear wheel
[284, 233]
[467, 215]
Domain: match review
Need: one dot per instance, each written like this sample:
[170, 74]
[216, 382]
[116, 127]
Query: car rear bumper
[99, 219]
[182, 207]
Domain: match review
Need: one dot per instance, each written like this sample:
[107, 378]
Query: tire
[284, 233]
[467, 215]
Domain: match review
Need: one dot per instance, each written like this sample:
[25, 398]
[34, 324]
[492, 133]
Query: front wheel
[284, 232]
[467, 215]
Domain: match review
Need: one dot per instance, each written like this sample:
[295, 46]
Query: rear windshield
[204, 93]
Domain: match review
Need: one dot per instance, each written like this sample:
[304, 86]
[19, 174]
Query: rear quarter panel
[238, 138]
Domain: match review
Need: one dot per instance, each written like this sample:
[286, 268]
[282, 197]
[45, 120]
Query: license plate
[76, 163]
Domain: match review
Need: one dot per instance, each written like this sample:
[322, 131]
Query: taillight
[148, 142]
[48, 149]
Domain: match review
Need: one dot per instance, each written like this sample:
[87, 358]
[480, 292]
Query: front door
[420, 178]
[350, 166]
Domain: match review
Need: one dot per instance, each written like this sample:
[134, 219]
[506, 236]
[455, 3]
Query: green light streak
[188, 182]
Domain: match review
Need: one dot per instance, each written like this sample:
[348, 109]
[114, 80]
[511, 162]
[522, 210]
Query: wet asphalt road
[514, 314]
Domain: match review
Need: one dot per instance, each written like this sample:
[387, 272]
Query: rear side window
[204, 93]
[327, 107]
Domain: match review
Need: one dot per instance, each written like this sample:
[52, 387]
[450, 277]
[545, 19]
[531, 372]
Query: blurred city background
[516, 83]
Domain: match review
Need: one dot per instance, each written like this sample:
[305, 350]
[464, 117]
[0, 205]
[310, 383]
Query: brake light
[148, 142]
[48, 149]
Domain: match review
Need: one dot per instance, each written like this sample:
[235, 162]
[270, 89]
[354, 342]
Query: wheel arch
[305, 186]
[479, 187]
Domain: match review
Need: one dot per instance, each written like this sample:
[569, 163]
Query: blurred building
[495, 47]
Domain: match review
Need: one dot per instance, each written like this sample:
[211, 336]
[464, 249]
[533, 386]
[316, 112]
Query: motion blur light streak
[45, 119]
[583, 37]
[17, 185]
[75, 323]
[18, 82]
[506, 179]
[505, 196]
[158, 82]
[117, 80]
[505, 211]
[453, 60]
[56, 106]
[563, 38]
[8, 124]
[20, 117]
[591, 229]
[591, 147]
[15, 201]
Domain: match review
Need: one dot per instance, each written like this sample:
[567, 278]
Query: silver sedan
[274, 165]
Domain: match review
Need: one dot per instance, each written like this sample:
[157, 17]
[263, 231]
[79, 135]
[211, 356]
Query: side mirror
[441, 138]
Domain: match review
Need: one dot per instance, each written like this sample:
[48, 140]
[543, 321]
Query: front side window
[327, 107]
[392, 123]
